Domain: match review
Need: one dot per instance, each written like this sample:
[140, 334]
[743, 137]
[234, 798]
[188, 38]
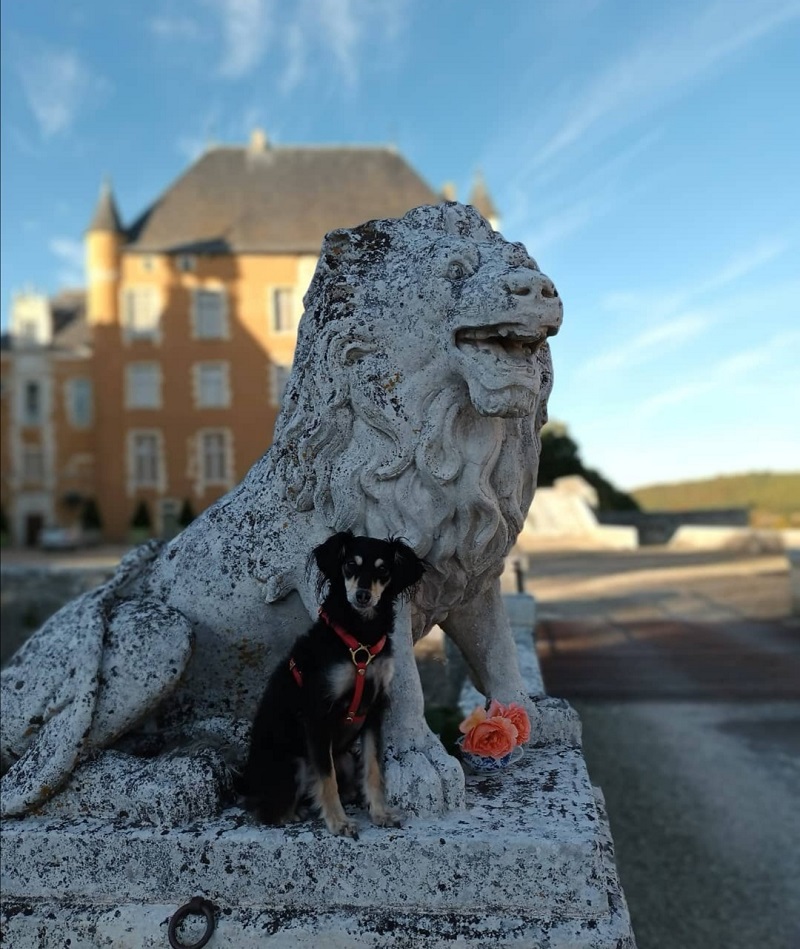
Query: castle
[144, 398]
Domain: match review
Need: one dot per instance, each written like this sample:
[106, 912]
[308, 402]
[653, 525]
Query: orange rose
[516, 714]
[518, 717]
[479, 715]
[493, 738]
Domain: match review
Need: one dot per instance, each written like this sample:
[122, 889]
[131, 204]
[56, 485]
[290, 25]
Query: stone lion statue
[419, 385]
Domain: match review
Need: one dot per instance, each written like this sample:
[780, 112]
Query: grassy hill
[773, 499]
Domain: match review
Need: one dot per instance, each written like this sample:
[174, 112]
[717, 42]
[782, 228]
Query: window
[80, 408]
[141, 313]
[28, 331]
[32, 464]
[212, 387]
[143, 385]
[282, 303]
[187, 263]
[210, 314]
[214, 457]
[147, 263]
[279, 376]
[145, 459]
[32, 403]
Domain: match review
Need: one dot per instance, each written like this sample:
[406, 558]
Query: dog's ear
[330, 554]
[408, 567]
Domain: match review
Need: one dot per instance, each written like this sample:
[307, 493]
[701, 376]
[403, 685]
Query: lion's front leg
[481, 630]
[421, 778]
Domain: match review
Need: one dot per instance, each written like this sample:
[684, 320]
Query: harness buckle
[361, 648]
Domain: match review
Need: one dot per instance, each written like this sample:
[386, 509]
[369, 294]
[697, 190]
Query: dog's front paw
[424, 779]
[343, 828]
[386, 817]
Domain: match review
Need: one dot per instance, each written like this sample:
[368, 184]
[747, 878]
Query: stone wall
[658, 527]
[30, 595]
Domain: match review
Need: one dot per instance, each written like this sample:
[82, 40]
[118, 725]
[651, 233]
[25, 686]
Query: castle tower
[104, 238]
[481, 200]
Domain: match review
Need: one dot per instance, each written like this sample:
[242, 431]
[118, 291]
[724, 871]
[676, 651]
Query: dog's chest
[342, 678]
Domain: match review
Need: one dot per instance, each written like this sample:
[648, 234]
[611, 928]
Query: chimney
[259, 142]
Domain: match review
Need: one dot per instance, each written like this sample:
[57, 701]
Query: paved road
[686, 672]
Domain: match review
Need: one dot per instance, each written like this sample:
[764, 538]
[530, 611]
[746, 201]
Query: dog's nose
[363, 597]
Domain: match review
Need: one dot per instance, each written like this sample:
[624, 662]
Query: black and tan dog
[331, 690]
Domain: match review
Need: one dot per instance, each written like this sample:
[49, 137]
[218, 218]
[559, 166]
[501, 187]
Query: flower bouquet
[491, 739]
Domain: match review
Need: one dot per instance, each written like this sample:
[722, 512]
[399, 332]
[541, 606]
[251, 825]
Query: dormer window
[187, 263]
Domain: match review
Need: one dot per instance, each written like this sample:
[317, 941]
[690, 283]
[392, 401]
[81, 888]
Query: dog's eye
[350, 566]
[382, 573]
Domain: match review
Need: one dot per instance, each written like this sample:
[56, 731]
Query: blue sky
[646, 153]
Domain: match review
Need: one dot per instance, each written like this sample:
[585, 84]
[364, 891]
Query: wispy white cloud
[296, 58]
[70, 253]
[665, 320]
[661, 304]
[247, 28]
[737, 367]
[58, 85]
[575, 207]
[664, 65]
[562, 224]
[654, 341]
[343, 22]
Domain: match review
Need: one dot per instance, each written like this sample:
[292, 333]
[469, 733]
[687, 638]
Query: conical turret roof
[480, 198]
[106, 216]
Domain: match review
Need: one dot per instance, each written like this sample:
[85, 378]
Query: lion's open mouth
[503, 341]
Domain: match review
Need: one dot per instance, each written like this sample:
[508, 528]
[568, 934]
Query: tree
[187, 514]
[141, 516]
[90, 516]
[561, 457]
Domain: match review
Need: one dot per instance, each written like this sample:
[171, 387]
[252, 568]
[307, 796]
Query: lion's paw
[424, 779]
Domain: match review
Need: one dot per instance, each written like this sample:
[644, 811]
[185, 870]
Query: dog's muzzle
[363, 597]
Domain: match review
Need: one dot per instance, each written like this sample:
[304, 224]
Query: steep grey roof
[481, 200]
[106, 216]
[277, 199]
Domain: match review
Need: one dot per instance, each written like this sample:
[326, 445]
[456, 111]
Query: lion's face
[488, 312]
[504, 311]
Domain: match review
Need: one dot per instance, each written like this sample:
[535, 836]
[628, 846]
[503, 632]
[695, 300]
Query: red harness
[356, 648]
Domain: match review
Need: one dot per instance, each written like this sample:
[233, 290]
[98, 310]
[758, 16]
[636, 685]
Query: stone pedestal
[528, 863]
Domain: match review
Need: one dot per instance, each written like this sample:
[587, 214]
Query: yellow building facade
[158, 395]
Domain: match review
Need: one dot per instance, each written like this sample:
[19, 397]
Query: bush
[561, 456]
[141, 516]
[3, 521]
[187, 514]
[90, 516]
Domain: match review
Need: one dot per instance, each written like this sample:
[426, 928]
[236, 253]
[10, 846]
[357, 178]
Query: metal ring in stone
[196, 906]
